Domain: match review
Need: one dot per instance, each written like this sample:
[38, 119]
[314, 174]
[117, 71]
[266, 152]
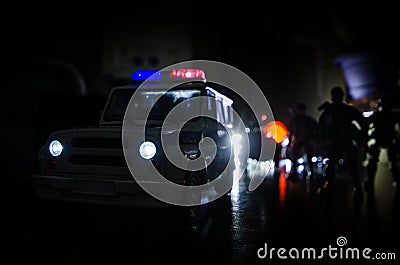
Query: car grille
[95, 152]
[98, 160]
[107, 143]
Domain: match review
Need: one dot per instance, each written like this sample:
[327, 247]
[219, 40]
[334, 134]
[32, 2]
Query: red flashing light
[188, 73]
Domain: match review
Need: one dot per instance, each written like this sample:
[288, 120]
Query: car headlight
[147, 150]
[55, 148]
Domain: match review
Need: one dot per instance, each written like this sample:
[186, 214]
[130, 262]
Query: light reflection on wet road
[281, 212]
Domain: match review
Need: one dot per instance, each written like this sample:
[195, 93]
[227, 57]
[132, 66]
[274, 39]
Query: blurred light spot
[367, 114]
[285, 142]
[286, 164]
[300, 169]
[276, 130]
[263, 117]
[282, 188]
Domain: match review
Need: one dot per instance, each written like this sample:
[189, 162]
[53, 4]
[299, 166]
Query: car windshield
[146, 99]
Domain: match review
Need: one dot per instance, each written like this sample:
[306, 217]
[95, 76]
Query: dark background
[60, 59]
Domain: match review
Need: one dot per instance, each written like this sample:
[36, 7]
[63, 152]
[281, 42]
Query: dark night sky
[240, 32]
[361, 20]
[268, 41]
[238, 26]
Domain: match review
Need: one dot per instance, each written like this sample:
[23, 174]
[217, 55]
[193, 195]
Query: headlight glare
[55, 148]
[147, 150]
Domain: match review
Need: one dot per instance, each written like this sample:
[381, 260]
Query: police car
[88, 164]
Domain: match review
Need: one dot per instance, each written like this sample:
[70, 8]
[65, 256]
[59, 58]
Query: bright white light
[300, 169]
[325, 161]
[286, 164]
[371, 142]
[237, 147]
[247, 130]
[314, 159]
[147, 150]
[367, 114]
[236, 138]
[235, 186]
[55, 148]
[300, 160]
[285, 142]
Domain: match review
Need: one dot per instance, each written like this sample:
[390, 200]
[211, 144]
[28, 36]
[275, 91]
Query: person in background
[343, 135]
[303, 134]
[383, 126]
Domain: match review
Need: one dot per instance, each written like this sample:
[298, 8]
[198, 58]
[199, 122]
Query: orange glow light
[282, 188]
[276, 130]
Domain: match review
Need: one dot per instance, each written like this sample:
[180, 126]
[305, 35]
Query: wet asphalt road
[281, 212]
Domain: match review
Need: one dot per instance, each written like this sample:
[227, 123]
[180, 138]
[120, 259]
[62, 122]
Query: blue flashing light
[141, 75]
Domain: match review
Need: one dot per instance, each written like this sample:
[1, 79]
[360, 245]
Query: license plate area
[93, 187]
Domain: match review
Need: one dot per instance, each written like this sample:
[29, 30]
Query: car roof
[163, 86]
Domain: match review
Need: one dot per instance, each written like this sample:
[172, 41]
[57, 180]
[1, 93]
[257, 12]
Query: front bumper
[119, 192]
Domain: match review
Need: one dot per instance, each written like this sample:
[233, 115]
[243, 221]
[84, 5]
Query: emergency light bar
[141, 75]
[188, 73]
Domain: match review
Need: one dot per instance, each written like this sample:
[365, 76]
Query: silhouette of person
[303, 134]
[343, 134]
[383, 125]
